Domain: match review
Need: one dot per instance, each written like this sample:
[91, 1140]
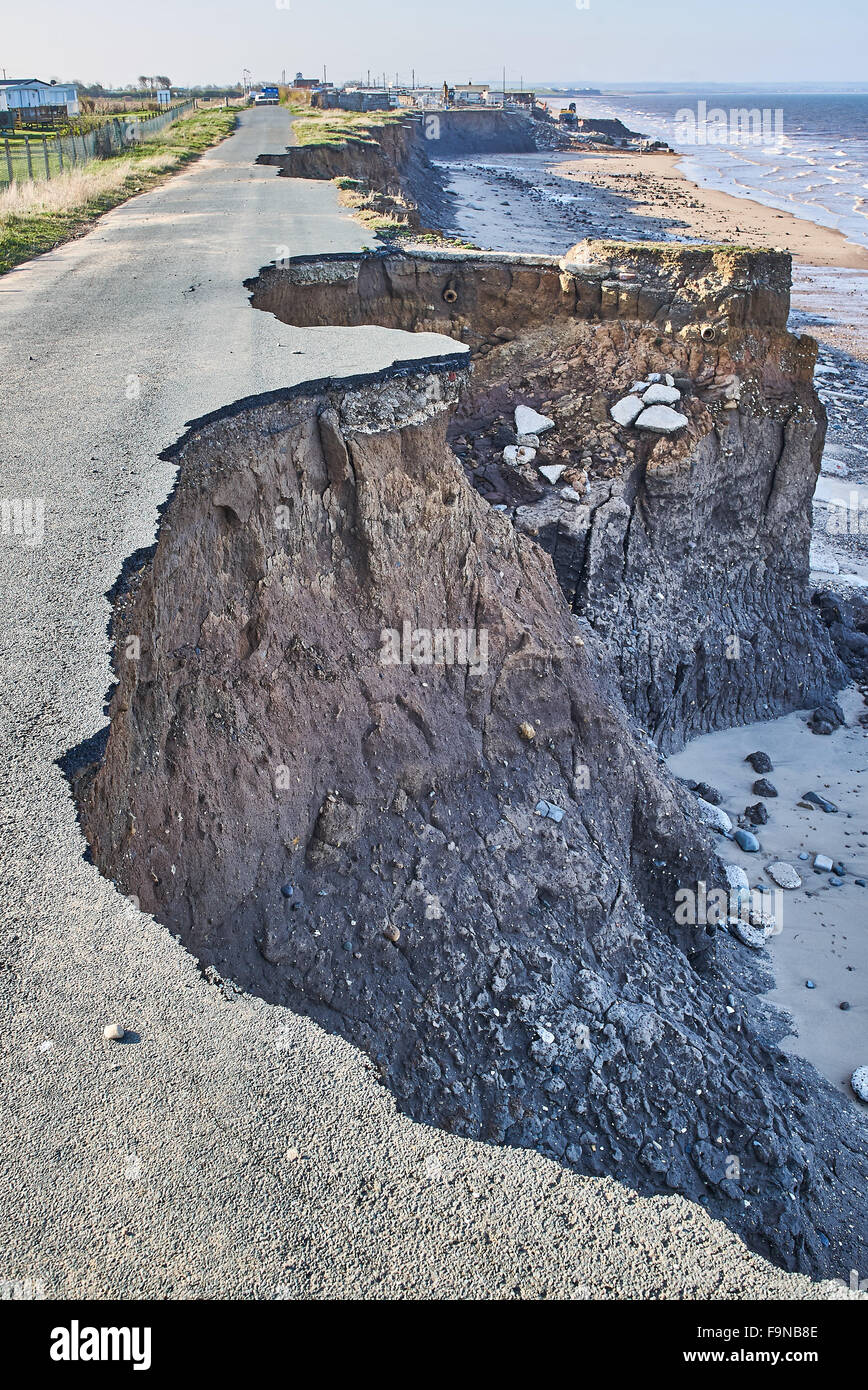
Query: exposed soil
[362, 841]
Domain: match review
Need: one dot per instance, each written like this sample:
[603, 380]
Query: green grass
[337, 127]
[35, 217]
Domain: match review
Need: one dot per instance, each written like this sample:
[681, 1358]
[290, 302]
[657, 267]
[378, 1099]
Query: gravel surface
[224, 1148]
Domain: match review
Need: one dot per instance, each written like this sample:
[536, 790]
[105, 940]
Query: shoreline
[656, 184]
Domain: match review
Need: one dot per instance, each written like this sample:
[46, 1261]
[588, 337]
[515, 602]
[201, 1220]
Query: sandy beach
[821, 934]
[656, 188]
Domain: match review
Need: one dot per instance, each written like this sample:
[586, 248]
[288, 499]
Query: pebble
[713, 816]
[835, 881]
[809, 984]
[527, 731]
[551, 471]
[736, 877]
[814, 799]
[783, 874]
[763, 787]
[756, 814]
[804, 854]
[859, 1082]
[545, 808]
[391, 933]
[749, 843]
[860, 882]
[347, 945]
[287, 890]
[528, 421]
[703, 789]
[113, 1032]
[822, 863]
[755, 937]
[513, 454]
[844, 1005]
[760, 762]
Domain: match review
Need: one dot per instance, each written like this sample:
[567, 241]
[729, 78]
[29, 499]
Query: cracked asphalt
[229, 1149]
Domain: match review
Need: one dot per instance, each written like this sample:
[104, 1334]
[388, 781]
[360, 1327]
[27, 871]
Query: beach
[656, 188]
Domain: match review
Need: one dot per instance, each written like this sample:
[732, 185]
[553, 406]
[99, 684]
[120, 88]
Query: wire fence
[27, 157]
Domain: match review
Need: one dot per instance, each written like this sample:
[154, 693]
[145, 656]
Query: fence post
[27, 152]
[60, 151]
[45, 157]
[9, 160]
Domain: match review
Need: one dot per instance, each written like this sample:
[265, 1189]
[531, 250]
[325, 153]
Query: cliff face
[688, 553]
[465, 864]
[397, 161]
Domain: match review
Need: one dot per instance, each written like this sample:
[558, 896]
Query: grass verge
[36, 217]
[336, 127]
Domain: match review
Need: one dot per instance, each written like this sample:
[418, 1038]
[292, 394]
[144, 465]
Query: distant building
[27, 94]
[470, 94]
[524, 99]
[307, 82]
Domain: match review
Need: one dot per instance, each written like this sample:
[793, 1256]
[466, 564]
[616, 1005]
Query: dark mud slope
[359, 836]
[687, 552]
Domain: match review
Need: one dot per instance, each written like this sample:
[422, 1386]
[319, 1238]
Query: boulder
[626, 411]
[661, 419]
[658, 394]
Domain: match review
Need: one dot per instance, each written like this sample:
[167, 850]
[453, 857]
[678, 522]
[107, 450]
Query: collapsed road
[229, 1147]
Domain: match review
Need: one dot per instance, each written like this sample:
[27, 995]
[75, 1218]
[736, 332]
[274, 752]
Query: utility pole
[413, 78]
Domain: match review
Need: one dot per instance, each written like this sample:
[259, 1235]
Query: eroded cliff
[688, 553]
[466, 862]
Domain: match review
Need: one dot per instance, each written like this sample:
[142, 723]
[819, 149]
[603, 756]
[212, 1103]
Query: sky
[604, 43]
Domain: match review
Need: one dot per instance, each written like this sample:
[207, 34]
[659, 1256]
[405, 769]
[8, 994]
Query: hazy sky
[611, 41]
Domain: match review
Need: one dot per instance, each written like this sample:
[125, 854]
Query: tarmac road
[230, 1149]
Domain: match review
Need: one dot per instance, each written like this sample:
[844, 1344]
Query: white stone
[518, 454]
[823, 863]
[552, 471]
[859, 1082]
[529, 421]
[661, 395]
[670, 380]
[713, 816]
[754, 937]
[529, 440]
[661, 419]
[625, 411]
[638, 387]
[783, 874]
[736, 876]
[113, 1032]
[569, 494]
[654, 376]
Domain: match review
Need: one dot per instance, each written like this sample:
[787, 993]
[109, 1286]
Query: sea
[813, 161]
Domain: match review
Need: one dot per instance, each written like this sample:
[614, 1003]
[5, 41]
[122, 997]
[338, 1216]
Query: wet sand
[656, 188]
[823, 929]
